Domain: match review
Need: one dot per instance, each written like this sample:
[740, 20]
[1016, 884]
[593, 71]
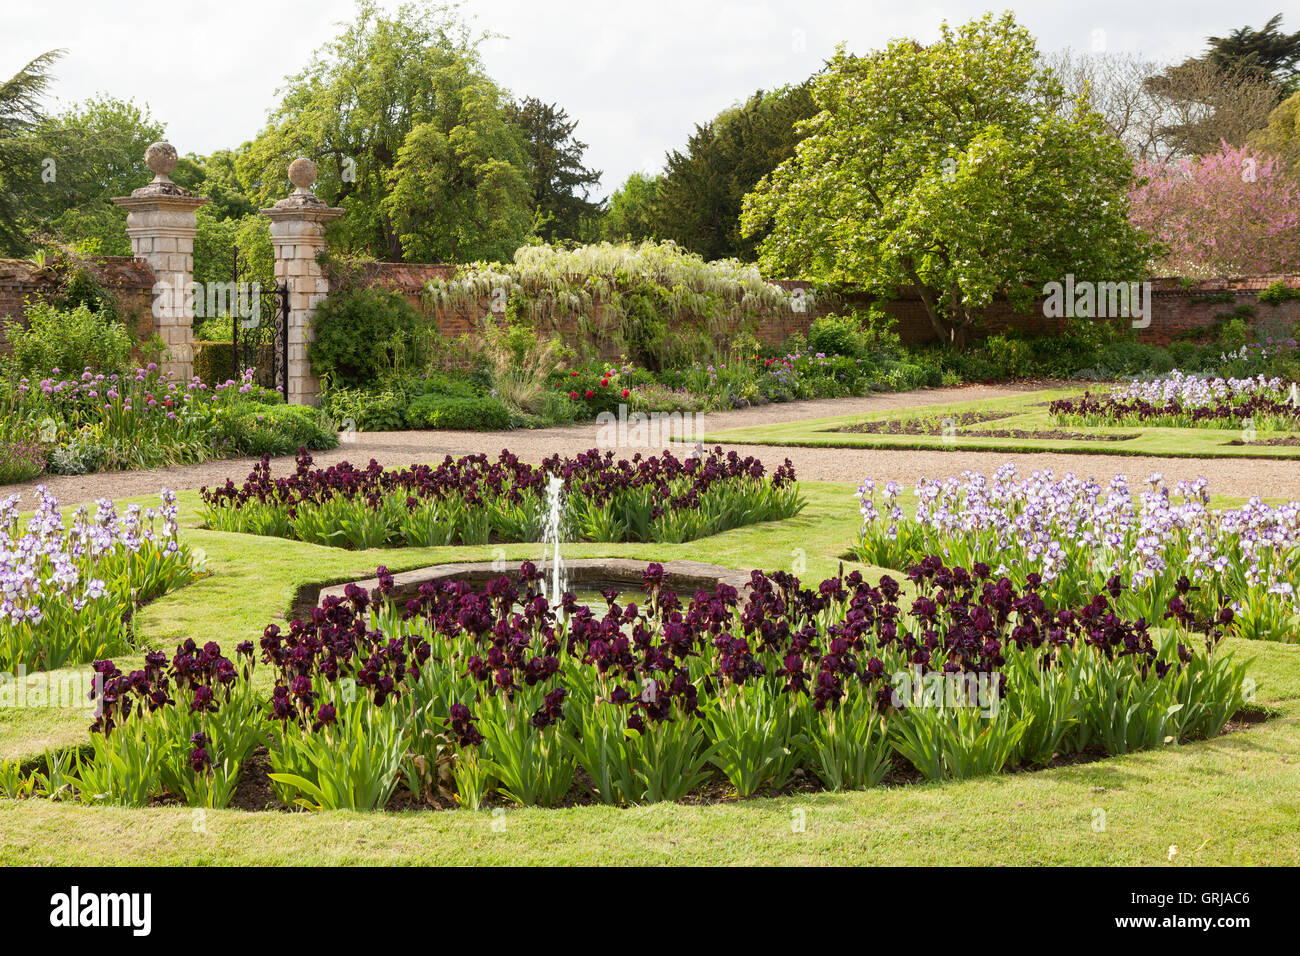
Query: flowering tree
[959, 168]
[1232, 212]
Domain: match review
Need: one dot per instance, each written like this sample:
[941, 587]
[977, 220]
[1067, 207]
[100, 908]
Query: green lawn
[1232, 800]
[1028, 413]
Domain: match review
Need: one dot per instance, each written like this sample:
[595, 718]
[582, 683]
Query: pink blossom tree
[1227, 213]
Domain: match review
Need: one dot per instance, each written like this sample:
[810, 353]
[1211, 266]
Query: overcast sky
[637, 75]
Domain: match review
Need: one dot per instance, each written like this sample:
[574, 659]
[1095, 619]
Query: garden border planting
[1030, 413]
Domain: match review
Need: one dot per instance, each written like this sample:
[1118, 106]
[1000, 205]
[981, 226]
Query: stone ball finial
[162, 159]
[302, 173]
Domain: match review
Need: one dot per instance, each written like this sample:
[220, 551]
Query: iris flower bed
[473, 500]
[69, 589]
[460, 697]
[1073, 535]
[145, 419]
[1187, 401]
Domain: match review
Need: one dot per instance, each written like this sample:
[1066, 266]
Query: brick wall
[1176, 308]
[131, 280]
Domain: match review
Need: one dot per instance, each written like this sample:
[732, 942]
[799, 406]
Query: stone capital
[161, 215]
[301, 213]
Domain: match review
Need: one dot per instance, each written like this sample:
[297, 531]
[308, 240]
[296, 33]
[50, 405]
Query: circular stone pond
[581, 574]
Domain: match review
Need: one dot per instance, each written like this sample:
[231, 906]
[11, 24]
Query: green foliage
[450, 412]
[411, 138]
[980, 179]
[631, 212]
[98, 149]
[76, 281]
[21, 193]
[1281, 136]
[217, 239]
[701, 191]
[69, 340]
[354, 764]
[214, 362]
[556, 171]
[20, 461]
[1267, 52]
[366, 410]
[642, 290]
[217, 177]
[1279, 291]
[254, 428]
[855, 335]
[755, 736]
[356, 332]
[1234, 333]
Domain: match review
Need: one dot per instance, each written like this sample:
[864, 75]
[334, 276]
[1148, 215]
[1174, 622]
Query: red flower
[573, 374]
[590, 393]
[604, 383]
[573, 395]
[625, 393]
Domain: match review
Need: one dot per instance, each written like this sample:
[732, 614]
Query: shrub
[661, 301]
[257, 429]
[357, 333]
[837, 335]
[470, 385]
[1132, 358]
[214, 362]
[1279, 292]
[216, 329]
[366, 409]
[1190, 357]
[1009, 357]
[1234, 333]
[67, 339]
[1060, 356]
[81, 456]
[452, 412]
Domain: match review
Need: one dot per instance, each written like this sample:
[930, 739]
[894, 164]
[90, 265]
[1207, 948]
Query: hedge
[450, 412]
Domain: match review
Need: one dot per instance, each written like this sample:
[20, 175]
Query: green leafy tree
[701, 192]
[1282, 135]
[955, 168]
[20, 159]
[629, 217]
[217, 177]
[402, 121]
[97, 148]
[1268, 52]
[459, 189]
[560, 182]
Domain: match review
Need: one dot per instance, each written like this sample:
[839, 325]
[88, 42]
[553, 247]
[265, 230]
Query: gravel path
[1226, 476]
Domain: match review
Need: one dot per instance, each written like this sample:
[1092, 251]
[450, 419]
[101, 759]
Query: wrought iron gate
[260, 328]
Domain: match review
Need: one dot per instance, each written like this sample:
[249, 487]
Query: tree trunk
[931, 303]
